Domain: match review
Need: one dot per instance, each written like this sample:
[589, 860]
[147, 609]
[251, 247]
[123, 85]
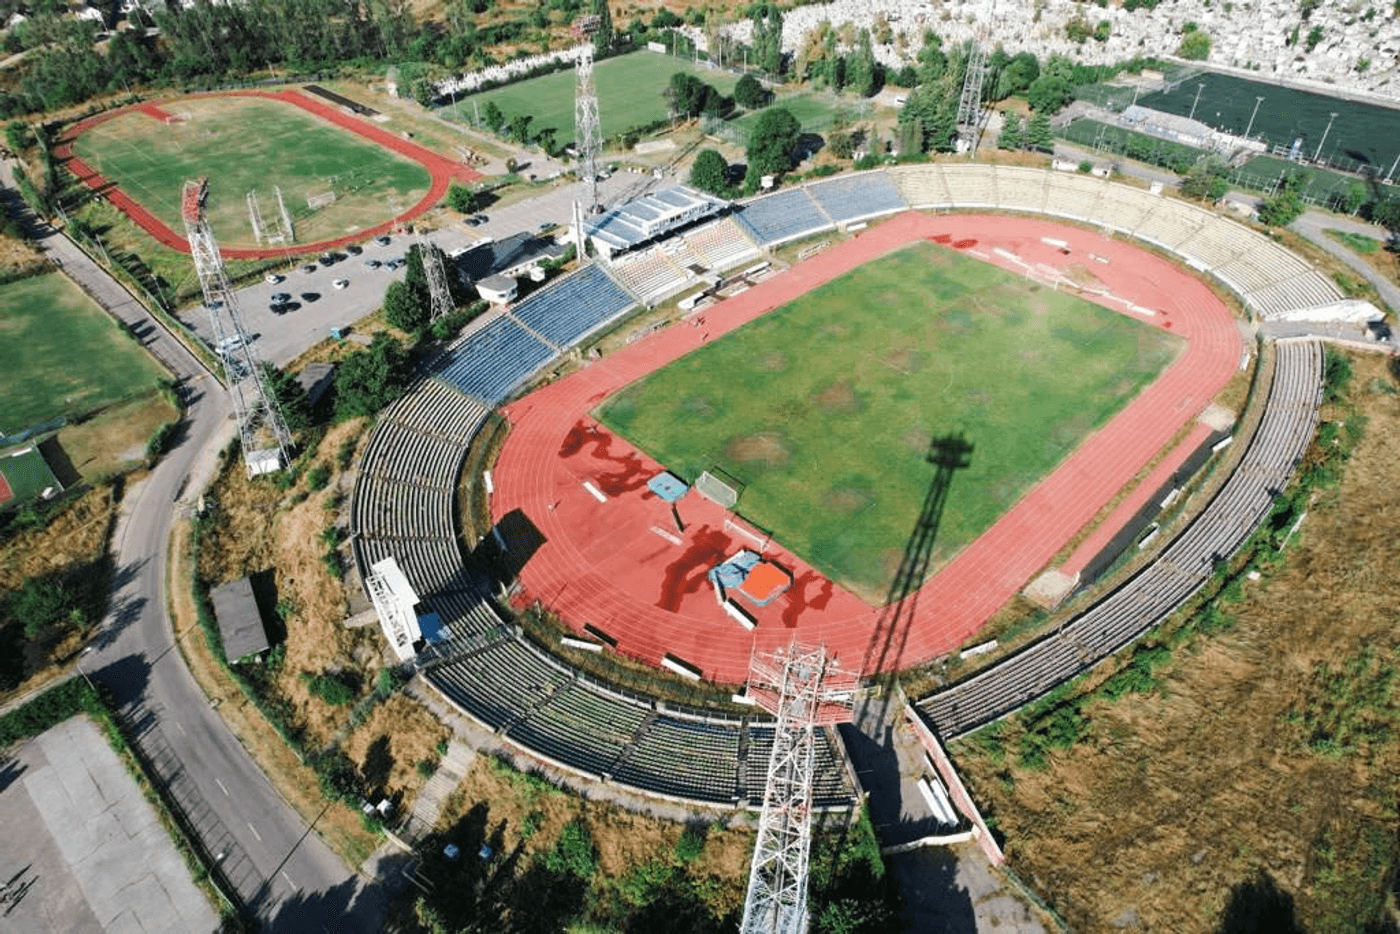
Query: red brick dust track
[442, 171]
[614, 565]
[6, 494]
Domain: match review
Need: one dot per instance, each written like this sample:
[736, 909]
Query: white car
[341, 283]
[272, 278]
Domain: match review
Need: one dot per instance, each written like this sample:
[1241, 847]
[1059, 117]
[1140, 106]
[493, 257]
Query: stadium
[576, 515]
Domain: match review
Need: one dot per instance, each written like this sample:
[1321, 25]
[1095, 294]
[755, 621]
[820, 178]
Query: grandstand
[1184, 566]
[787, 215]
[573, 307]
[857, 197]
[488, 363]
[403, 499]
[649, 218]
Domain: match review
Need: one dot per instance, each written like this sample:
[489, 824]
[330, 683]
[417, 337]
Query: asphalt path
[278, 866]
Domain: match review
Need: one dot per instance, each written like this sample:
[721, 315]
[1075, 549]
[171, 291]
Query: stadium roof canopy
[506, 256]
[240, 623]
[649, 217]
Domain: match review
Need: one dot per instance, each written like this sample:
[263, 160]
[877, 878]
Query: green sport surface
[825, 407]
[248, 144]
[629, 94]
[26, 475]
[62, 355]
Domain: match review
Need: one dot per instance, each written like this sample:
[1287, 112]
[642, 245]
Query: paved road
[290, 879]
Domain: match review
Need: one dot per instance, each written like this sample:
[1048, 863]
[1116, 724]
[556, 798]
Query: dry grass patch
[115, 439]
[1266, 748]
[404, 730]
[77, 534]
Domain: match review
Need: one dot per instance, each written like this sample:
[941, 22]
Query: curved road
[283, 872]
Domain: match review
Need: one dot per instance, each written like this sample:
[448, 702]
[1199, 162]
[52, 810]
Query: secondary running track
[442, 172]
[616, 564]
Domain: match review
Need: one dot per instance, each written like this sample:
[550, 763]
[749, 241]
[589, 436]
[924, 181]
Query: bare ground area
[1260, 771]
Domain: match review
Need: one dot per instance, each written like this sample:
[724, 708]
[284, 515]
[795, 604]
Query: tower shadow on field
[948, 453]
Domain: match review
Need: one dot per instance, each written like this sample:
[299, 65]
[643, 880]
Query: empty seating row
[437, 410]
[1308, 290]
[650, 274]
[396, 452]
[970, 186]
[721, 244]
[1021, 189]
[855, 197]
[566, 310]
[780, 217]
[430, 564]
[683, 759]
[390, 509]
[492, 361]
[1155, 591]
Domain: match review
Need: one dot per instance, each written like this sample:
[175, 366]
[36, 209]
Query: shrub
[317, 477]
[574, 854]
[331, 689]
[426, 767]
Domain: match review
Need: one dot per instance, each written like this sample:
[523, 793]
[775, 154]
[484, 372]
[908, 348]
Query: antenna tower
[266, 441]
[970, 104]
[588, 131]
[438, 293]
[803, 689]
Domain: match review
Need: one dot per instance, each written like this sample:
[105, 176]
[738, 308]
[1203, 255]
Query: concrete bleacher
[564, 311]
[1021, 189]
[1155, 591]
[651, 274]
[579, 728]
[1172, 222]
[922, 186]
[492, 361]
[683, 759]
[1070, 194]
[857, 197]
[778, 218]
[721, 244]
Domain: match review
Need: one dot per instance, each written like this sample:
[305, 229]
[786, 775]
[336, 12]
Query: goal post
[719, 487]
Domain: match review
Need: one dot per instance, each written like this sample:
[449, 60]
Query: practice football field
[629, 91]
[825, 407]
[61, 354]
[248, 144]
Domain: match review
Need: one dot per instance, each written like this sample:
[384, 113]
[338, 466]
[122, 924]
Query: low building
[511, 256]
[498, 289]
[649, 217]
[240, 621]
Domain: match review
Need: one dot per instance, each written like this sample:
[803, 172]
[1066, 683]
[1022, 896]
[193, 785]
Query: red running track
[442, 172]
[604, 564]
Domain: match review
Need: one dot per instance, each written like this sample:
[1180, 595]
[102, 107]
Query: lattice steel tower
[438, 293]
[804, 690]
[970, 104]
[588, 131]
[266, 441]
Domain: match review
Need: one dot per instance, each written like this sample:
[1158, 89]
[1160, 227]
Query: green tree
[370, 379]
[1038, 133]
[768, 37]
[520, 128]
[461, 199]
[603, 35]
[1048, 94]
[772, 141]
[288, 396]
[862, 71]
[1208, 180]
[1195, 44]
[44, 602]
[1286, 204]
[1314, 37]
[841, 144]
[493, 117]
[407, 308]
[1387, 214]
[1350, 200]
[707, 172]
[750, 94]
[1018, 75]
[1013, 134]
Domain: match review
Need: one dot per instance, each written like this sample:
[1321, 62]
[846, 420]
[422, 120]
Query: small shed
[315, 379]
[240, 622]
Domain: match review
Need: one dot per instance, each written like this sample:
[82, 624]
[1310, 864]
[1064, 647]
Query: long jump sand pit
[84, 851]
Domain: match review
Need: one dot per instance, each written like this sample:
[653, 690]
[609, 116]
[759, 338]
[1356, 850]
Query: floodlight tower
[438, 293]
[588, 131]
[803, 689]
[970, 104]
[266, 441]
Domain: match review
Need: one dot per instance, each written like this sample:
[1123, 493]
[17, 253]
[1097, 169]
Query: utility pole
[1257, 102]
[1324, 135]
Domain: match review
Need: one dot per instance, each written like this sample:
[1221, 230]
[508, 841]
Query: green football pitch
[248, 144]
[629, 94]
[61, 354]
[825, 408]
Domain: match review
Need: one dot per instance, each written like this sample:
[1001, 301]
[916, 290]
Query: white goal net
[719, 487]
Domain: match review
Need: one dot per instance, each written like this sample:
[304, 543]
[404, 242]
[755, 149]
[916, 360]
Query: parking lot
[316, 305]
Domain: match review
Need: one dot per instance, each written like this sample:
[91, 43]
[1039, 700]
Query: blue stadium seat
[866, 195]
[494, 360]
[784, 216]
[570, 308]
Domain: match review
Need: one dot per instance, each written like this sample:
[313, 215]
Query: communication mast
[438, 292]
[804, 690]
[970, 104]
[588, 131]
[266, 441]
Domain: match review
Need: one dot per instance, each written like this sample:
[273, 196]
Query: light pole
[1199, 89]
[1324, 135]
[1257, 102]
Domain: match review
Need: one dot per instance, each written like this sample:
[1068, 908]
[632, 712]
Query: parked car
[229, 344]
[354, 250]
[309, 267]
[382, 241]
[394, 263]
[310, 296]
[341, 283]
[272, 278]
[281, 296]
[373, 263]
